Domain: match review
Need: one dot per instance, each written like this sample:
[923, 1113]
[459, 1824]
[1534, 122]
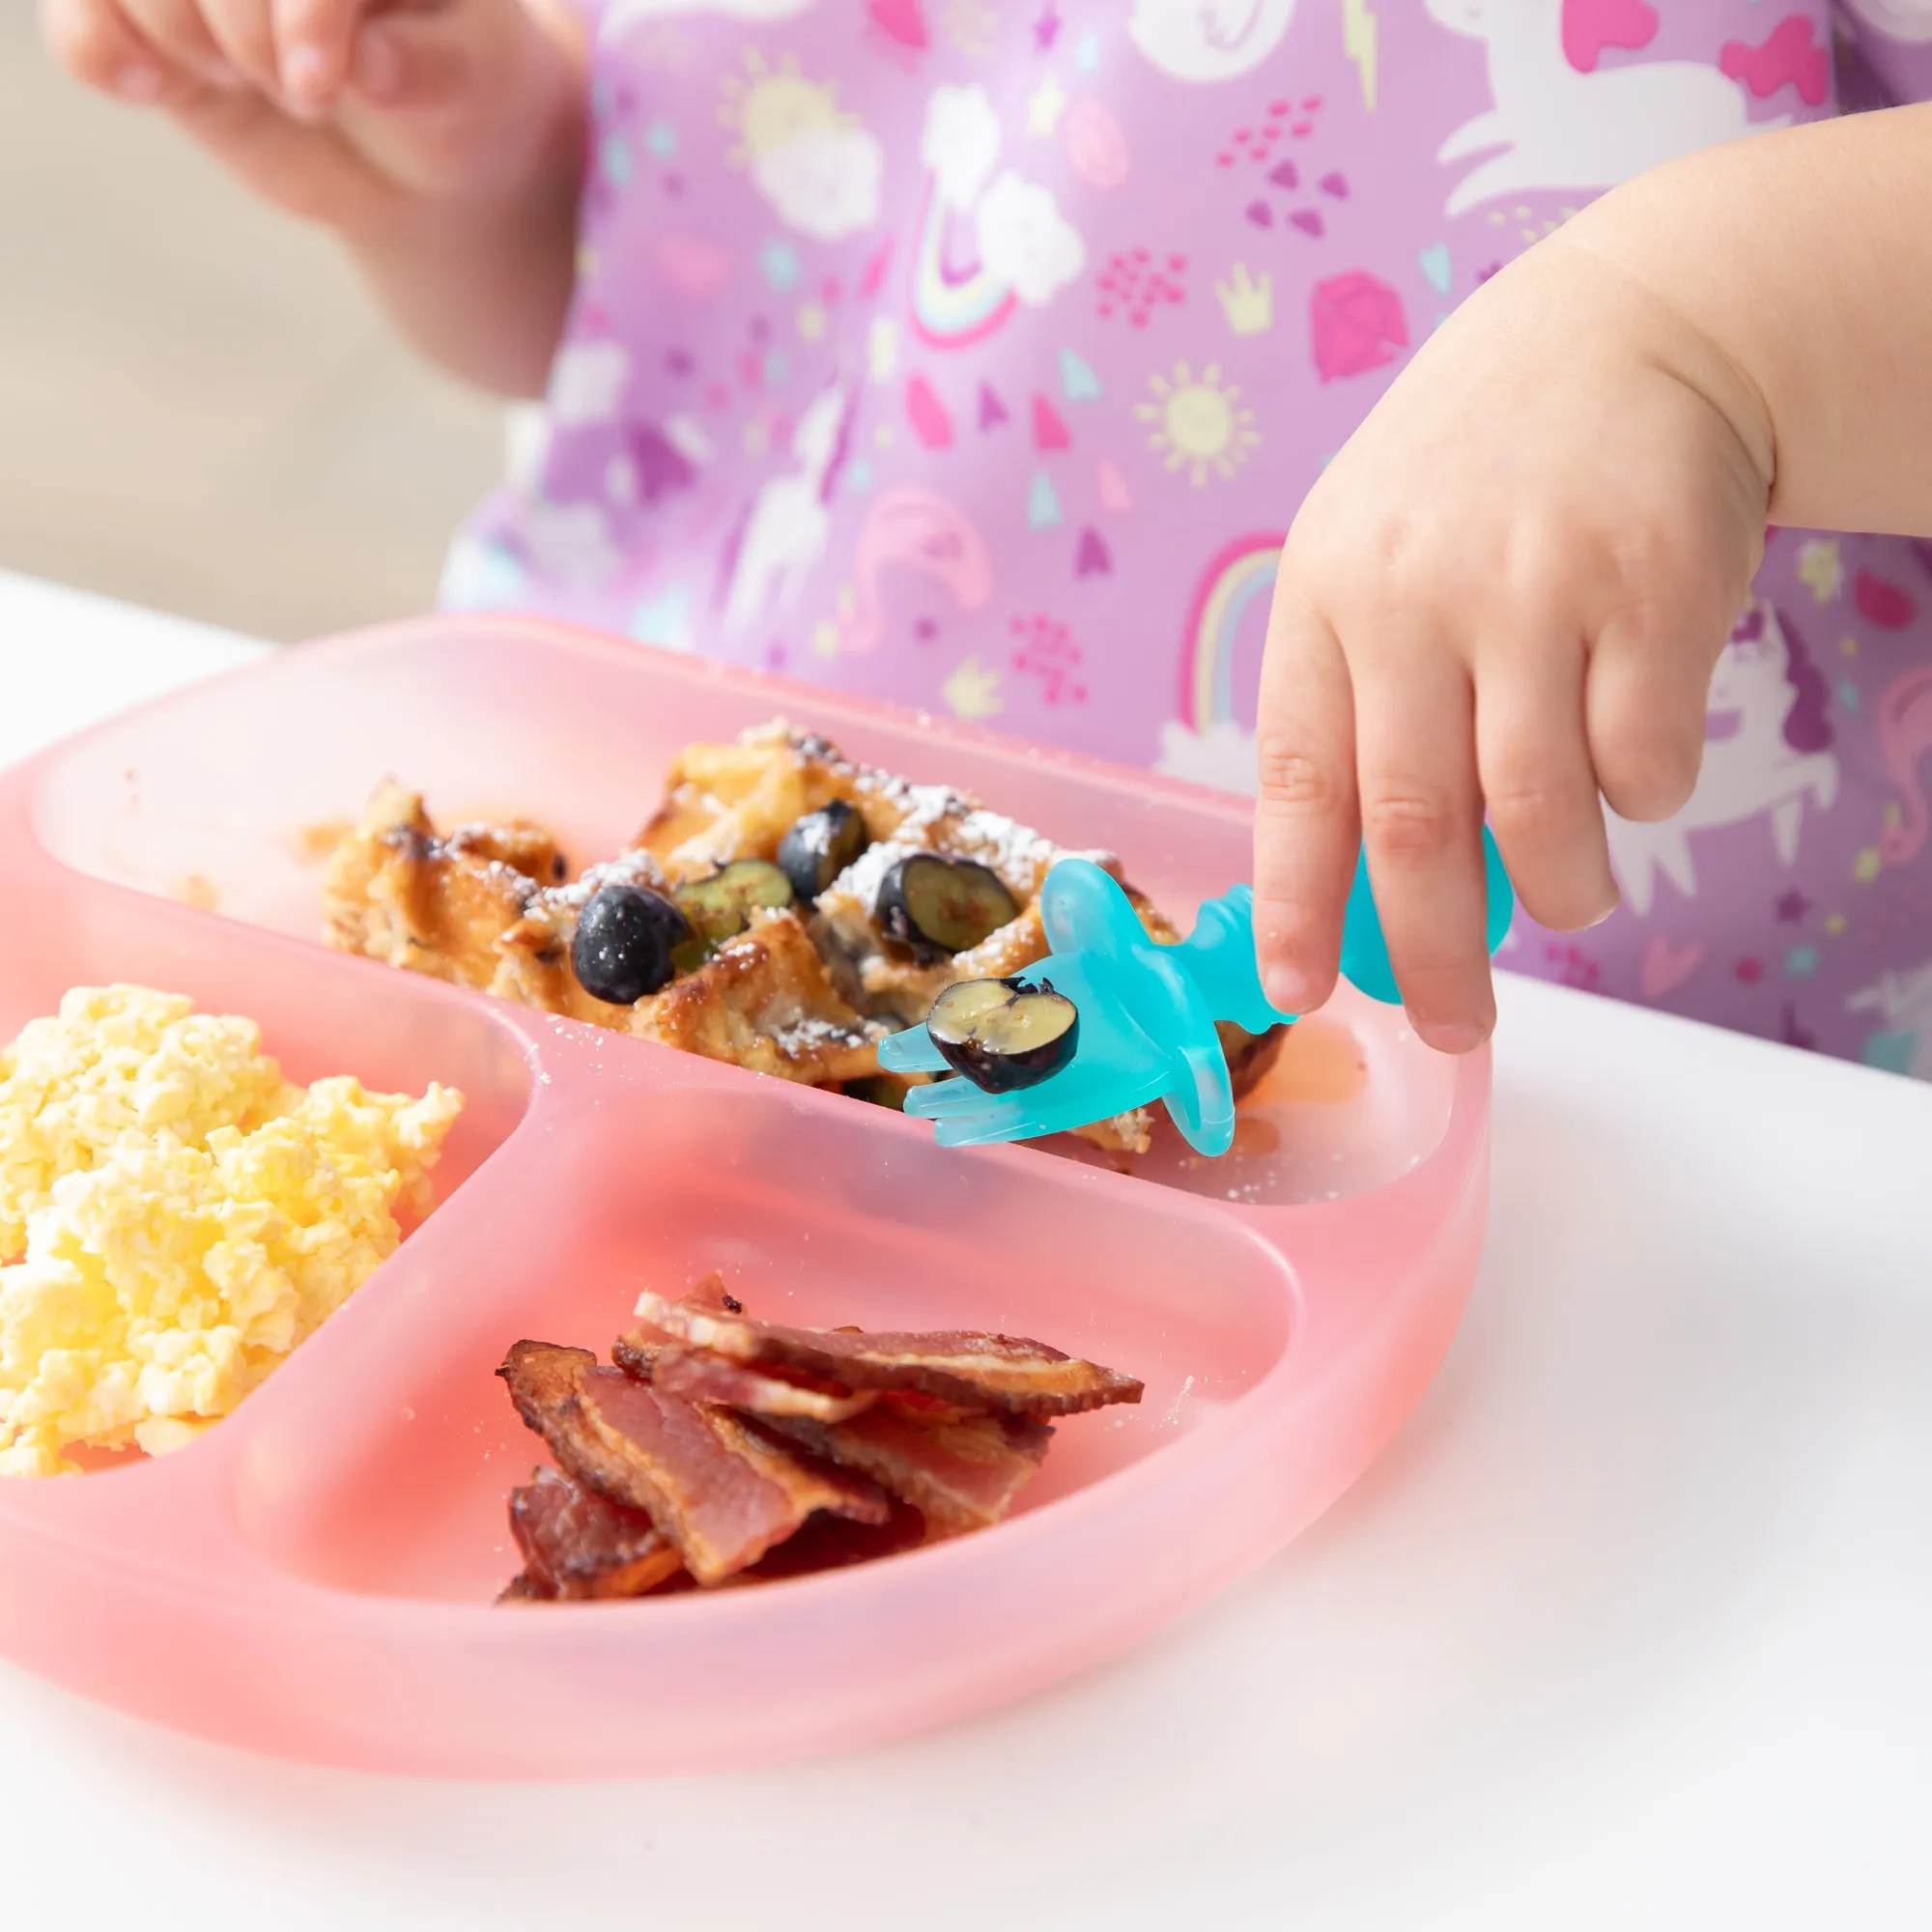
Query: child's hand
[345, 111]
[1509, 590]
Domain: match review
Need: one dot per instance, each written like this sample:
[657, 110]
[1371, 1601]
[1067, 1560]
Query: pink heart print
[691, 268]
[1589, 26]
[1667, 967]
[903, 21]
[927, 414]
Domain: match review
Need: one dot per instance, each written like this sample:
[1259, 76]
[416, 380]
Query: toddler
[978, 355]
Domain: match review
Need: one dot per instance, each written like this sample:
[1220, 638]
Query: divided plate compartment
[314, 1576]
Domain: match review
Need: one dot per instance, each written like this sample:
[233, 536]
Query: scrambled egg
[175, 1218]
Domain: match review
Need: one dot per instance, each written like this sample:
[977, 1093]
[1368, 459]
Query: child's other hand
[343, 112]
[1509, 590]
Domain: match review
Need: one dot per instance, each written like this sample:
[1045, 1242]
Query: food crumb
[197, 889]
[313, 843]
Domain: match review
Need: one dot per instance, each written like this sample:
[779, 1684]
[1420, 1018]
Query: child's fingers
[1538, 785]
[176, 29]
[245, 32]
[416, 58]
[1644, 704]
[1306, 831]
[1422, 821]
[314, 43]
[97, 44]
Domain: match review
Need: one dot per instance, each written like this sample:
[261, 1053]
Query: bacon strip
[543, 1381]
[1012, 1374]
[579, 1544]
[699, 1375]
[835, 1542]
[714, 1485]
[637, 1351]
[962, 1475]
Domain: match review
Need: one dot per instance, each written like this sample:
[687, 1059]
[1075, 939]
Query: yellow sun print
[770, 107]
[1200, 423]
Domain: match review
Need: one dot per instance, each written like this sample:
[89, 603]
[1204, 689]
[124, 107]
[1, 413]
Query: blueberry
[720, 906]
[624, 941]
[937, 905]
[820, 846]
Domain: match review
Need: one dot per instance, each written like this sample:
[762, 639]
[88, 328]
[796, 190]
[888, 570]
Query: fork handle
[1365, 957]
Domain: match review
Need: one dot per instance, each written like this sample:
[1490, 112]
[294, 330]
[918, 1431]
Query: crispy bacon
[962, 1474]
[722, 1450]
[544, 1384]
[837, 1543]
[637, 1351]
[579, 1544]
[699, 1376]
[717, 1487]
[1012, 1374]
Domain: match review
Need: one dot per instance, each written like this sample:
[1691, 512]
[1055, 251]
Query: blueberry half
[937, 905]
[721, 905]
[1004, 1035]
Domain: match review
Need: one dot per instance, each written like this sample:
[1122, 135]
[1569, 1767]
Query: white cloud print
[1026, 242]
[961, 143]
[586, 383]
[622, 12]
[572, 541]
[1223, 757]
[824, 182]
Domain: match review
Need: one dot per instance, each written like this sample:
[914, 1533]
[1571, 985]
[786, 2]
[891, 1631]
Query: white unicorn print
[1208, 40]
[1221, 755]
[1555, 128]
[622, 12]
[1908, 21]
[1765, 752]
[1902, 1003]
[790, 522]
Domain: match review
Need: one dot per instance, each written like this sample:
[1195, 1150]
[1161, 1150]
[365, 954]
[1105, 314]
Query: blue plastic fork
[1147, 1011]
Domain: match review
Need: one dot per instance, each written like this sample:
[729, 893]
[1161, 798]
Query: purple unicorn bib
[977, 356]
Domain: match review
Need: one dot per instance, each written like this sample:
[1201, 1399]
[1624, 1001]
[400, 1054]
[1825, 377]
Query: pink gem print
[1357, 323]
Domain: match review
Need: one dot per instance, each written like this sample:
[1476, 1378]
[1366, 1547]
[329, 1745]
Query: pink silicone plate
[313, 1579]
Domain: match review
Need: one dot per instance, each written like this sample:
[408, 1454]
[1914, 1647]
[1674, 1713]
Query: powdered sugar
[935, 817]
[799, 1038]
[866, 873]
[628, 868]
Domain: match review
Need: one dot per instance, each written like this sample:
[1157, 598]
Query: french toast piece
[398, 891]
[462, 908]
[734, 801]
[802, 995]
[737, 800]
[765, 1002]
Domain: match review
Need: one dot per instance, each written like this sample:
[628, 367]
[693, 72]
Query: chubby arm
[1802, 256]
[1508, 591]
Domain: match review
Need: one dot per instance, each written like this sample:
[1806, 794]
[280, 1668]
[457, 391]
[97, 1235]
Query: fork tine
[990, 1128]
[979, 1122]
[911, 1052]
[1004, 1120]
[948, 1100]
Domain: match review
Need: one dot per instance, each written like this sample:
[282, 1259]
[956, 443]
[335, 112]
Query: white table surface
[1629, 1629]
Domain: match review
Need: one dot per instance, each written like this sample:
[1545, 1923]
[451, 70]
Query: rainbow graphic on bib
[952, 306]
[1231, 601]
